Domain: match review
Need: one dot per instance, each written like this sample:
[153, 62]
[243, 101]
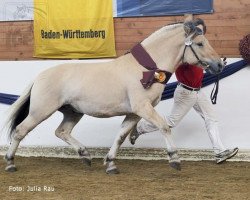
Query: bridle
[189, 43]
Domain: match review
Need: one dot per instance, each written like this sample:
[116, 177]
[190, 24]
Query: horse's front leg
[146, 111]
[129, 122]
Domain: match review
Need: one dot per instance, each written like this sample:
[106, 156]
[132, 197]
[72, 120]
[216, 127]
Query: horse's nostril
[221, 66]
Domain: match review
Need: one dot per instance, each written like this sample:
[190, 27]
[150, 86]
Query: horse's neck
[166, 51]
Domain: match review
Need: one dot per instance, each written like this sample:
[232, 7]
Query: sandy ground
[55, 178]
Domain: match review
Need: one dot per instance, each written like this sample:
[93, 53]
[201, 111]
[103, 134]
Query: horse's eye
[200, 44]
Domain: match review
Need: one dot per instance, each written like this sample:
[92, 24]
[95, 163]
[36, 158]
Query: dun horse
[113, 89]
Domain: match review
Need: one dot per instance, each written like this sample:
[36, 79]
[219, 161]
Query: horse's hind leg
[28, 124]
[39, 110]
[19, 133]
[70, 119]
[129, 122]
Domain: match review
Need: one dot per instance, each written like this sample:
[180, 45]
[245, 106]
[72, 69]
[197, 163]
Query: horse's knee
[165, 128]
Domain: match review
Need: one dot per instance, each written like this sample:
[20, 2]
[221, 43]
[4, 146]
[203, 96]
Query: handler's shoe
[224, 155]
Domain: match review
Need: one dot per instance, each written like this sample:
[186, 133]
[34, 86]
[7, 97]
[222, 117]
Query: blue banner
[128, 8]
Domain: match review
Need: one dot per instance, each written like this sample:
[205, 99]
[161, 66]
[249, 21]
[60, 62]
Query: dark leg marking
[111, 168]
[84, 154]
[122, 138]
[107, 159]
[10, 164]
[171, 153]
[175, 165]
[8, 158]
[133, 135]
[113, 171]
[174, 161]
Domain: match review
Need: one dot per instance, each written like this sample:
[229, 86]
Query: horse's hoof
[113, 171]
[11, 168]
[175, 165]
[86, 161]
[133, 139]
[133, 136]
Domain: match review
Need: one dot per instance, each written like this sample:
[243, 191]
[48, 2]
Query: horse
[110, 89]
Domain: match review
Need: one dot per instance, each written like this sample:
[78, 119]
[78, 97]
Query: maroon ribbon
[144, 59]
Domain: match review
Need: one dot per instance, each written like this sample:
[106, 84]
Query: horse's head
[197, 49]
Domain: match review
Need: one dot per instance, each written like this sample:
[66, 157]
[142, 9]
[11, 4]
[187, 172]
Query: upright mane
[161, 31]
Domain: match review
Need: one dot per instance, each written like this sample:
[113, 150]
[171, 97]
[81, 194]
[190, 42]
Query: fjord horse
[111, 89]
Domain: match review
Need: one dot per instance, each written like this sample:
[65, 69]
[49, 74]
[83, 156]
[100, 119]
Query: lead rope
[213, 95]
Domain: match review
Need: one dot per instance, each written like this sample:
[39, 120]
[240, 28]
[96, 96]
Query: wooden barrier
[226, 26]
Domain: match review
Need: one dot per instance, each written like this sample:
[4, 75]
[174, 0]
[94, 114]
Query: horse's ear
[189, 28]
[200, 22]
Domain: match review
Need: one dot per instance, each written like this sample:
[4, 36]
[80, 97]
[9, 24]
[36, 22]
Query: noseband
[189, 44]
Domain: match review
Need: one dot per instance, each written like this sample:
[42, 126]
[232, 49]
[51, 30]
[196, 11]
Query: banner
[73, 29]
[128, 8]
[15, 10]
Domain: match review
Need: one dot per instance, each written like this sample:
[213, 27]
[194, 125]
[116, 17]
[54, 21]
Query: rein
[213, 95]
[154, 74]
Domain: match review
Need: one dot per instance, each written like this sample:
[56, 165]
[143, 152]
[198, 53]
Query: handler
[186, 96]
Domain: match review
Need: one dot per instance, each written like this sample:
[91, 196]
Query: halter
[213, 95]
[188, 43]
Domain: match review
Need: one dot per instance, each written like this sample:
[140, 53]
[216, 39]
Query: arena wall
[232, 110]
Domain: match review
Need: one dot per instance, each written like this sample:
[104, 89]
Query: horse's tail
[19, 111]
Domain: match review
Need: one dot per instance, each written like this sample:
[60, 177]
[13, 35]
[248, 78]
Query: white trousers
[184, 100]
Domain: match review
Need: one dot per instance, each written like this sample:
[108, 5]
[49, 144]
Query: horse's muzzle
[215, 67]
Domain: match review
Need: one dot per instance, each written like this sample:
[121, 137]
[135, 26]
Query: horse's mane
[162, 30]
